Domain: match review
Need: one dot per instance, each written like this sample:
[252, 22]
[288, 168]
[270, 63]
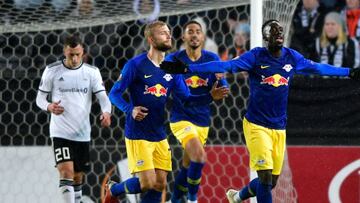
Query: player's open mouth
[194, 41]
[280, 39]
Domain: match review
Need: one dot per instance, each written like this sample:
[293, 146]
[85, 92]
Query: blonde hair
[341, 38]
[150, 27]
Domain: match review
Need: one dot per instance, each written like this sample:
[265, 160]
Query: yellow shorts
[266, 147]
[185, 130]
[145, 155]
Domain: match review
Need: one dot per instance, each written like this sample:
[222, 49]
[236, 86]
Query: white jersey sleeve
[97, 82]
[46, 83]
[98, 88]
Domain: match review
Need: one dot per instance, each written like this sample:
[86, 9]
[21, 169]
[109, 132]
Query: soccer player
[147, 148]
[270, 69]
[71, 83]
[190, 124]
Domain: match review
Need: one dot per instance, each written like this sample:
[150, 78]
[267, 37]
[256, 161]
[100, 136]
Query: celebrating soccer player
[270, 69]
[147, 148]
[71, 84]
[190, 124]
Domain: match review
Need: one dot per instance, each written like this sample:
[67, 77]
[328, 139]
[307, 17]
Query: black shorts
[77, 152]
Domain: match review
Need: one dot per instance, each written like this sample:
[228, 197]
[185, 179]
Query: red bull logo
[157, 90]
[195, 81]
[275, 80]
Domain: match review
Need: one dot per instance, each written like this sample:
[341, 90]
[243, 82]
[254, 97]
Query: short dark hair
[191, 22]
[268, 22]
[72, 41]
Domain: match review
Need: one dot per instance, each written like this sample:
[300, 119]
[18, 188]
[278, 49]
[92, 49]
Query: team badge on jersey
[168, 77]
[140, 163]
[275, 80]
[261, 162]
[287, 67]
[157, 90]
[195, 81]
[187, 129]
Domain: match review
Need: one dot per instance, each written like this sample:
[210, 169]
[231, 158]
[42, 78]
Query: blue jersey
[199, 84]
[269, 79]
[149, 86]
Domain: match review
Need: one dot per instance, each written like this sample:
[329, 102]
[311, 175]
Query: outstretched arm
[329, 70]
[243, 63]
[309, 67]
[306, 66]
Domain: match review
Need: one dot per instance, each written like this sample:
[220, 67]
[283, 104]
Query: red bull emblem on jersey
[195, 81]
[275, 80]
[157, 90]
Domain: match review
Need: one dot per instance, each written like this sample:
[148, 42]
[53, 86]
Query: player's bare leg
[153, 182]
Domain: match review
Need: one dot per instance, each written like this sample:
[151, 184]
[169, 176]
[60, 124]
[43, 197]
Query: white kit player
[71, 83]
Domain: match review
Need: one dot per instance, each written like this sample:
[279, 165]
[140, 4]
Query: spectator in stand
[241, 42]
[307, 23]
[334, 47]
[23, 4]
[351, 14]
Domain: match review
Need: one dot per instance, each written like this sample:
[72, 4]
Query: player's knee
[273, 185]
[274, 181]
[66, 173]
[160, 185]
[78, 178]
[265, 177]
[148, 183]
[198, 155]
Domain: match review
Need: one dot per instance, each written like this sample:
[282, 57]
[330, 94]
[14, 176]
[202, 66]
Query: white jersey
[74, 88]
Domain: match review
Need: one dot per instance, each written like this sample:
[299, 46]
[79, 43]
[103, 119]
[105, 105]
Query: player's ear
[182, 37]
[265, 37]
[149, 40]
[65, 50]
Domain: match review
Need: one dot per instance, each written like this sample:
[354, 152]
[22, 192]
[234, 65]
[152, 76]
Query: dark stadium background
[321, 111]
